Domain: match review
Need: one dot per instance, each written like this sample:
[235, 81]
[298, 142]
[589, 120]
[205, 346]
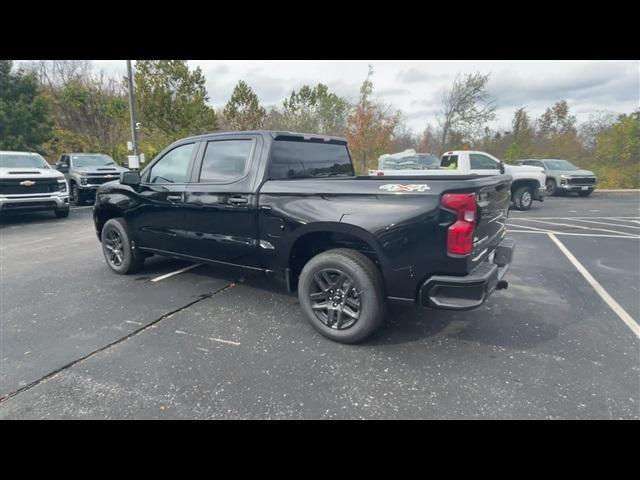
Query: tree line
[60, 106]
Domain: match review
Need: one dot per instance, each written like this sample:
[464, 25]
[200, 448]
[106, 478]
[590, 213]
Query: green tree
[172, 100]
[25, 122]
[521, 135]
[618, 153]
[315, 110]
[243, 110]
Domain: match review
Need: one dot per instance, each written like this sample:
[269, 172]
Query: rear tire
[116, 248]
[347, 310]
[523, 198]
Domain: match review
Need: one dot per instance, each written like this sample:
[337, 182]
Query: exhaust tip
[502, 285]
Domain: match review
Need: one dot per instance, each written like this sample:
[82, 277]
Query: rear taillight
[460, 234]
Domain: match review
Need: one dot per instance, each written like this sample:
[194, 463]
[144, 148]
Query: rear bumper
[472, 290]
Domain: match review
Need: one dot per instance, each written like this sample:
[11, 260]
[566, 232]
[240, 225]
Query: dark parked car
[85, 172]
[289, 206]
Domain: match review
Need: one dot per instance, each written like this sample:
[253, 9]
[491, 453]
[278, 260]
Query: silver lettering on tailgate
[396, 187]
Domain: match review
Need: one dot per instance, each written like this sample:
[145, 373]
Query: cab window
[173, 166]
[226, 161]
[482, 162]
[449, 161]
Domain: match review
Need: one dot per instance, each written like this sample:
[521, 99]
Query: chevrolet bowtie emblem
[28, 183]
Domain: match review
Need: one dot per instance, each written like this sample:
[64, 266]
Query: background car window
[482, 162]
[226, 160]
[172, 168]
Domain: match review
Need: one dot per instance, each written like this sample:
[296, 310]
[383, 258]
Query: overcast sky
[416, 87]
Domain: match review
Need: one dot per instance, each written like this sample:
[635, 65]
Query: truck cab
[85, 172]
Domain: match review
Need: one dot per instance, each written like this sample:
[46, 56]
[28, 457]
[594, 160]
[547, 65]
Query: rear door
[480, 164]
[220, 203]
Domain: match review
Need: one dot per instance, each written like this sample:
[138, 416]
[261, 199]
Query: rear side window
[226, 160]
[304, 159]
[448, 160]
[481, 162]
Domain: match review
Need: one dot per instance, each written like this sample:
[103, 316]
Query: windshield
[560, 165]
[22, 160]
[97, 160]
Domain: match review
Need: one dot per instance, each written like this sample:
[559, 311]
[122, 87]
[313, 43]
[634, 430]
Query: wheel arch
[322, 236]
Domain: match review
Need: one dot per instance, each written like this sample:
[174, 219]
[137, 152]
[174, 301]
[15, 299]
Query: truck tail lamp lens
[460, 234]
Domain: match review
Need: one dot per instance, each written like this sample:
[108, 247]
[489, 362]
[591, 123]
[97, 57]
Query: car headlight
[62, 186]
[83, 180]
[564, 176]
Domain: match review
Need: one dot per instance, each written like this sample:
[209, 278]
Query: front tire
[116, 248]
[523, 198]
[342, 293]
[551, 187]
[75, 195]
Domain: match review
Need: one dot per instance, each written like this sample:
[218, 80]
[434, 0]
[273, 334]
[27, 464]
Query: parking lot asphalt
[77, 341]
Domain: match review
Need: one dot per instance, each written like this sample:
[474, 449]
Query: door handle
[174, 198]
[237, 200]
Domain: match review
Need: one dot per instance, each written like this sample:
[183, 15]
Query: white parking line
[633, 219]
[576, 226]
[213, 339]
[177, 272]
[615, 306]
[545, 232]
[605, 223]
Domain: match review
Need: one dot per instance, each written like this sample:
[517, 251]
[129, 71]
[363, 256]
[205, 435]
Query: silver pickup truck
[29, 184]
[85, 172]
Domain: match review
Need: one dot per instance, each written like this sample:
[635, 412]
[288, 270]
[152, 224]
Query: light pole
[132, 115]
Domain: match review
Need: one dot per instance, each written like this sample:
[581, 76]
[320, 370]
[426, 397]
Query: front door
[220, 206]
[158, 222]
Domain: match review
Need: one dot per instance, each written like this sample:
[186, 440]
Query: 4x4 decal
[396, 187]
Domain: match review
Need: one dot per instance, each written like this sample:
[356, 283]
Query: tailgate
[493, 210]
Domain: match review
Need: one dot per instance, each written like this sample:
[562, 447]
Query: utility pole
[132, 115]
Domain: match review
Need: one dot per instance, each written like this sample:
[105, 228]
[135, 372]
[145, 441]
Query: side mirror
[130, 178]
[502, 170]
[61, 167]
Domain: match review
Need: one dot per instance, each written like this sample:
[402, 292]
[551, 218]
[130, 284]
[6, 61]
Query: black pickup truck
[288, 205]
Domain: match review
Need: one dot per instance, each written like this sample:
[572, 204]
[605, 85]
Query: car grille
[99, 180]
[13, 187]
[581, 180]
[28, 205]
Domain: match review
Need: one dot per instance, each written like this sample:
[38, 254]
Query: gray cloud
[413, 75]
[598, 83]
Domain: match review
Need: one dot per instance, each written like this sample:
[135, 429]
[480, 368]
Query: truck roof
[275, 134]
[457, 152]
[14, 152]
